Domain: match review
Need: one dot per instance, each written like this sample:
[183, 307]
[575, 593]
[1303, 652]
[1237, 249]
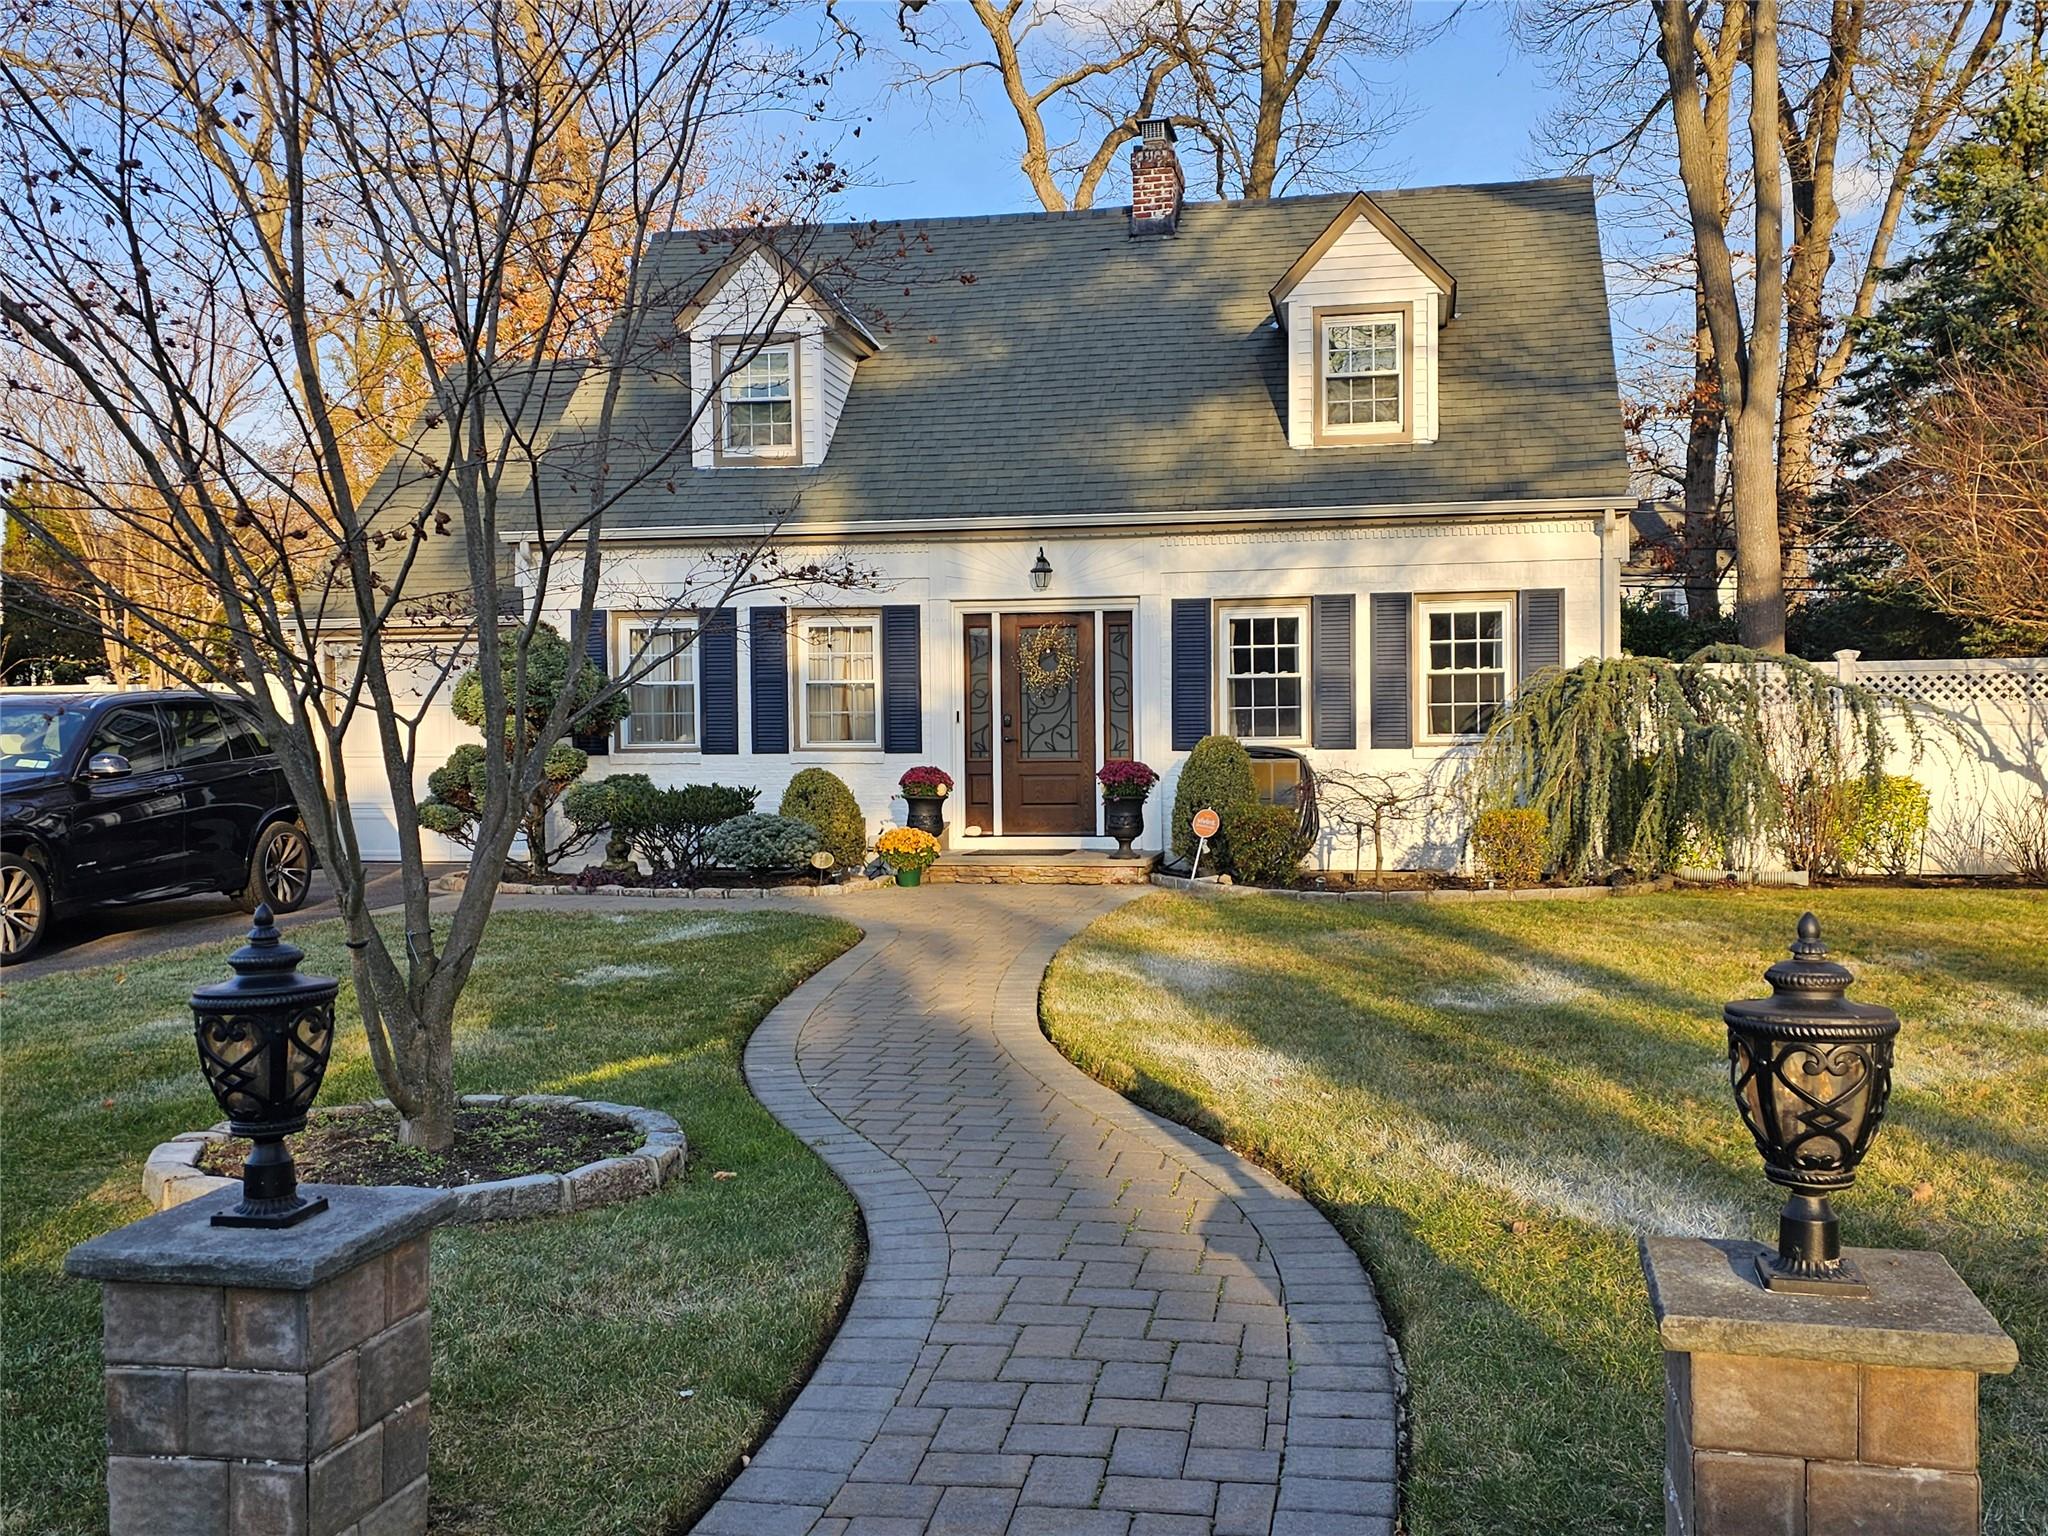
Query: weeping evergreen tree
[1642, 763]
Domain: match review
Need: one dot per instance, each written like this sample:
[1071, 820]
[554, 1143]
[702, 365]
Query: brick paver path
[1075, 1319]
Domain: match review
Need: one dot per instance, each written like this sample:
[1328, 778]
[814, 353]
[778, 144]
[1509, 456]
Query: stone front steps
[1053, 868]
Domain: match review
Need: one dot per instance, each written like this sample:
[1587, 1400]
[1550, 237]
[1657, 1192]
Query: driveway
[123, 935]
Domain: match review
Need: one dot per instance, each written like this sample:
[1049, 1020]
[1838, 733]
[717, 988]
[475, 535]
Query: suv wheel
[280, 869]
[24, 908]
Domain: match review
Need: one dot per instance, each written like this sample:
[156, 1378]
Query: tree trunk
[1759, 575]
[1700, 536]
[431, 1125]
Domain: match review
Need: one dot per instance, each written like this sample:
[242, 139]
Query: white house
[1328, 473]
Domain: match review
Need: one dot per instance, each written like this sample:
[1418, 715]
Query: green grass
[562, 1348]
[1492, 1100]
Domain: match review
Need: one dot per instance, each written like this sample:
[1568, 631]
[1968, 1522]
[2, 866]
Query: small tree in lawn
[1371, 804]
[461, 788]
[346, 297]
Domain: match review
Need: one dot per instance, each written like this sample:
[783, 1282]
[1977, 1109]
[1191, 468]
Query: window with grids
[841, 682]
[665, 700]
[1264, 663]
[759, 404]
[1362, 372]
[1465, 672]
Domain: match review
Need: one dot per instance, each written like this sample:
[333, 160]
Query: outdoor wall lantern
[1041, 571]
[1811, 1073]
[263, 1043]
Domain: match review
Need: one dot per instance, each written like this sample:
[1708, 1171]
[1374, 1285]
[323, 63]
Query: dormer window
[758, 403]
[1365, 377]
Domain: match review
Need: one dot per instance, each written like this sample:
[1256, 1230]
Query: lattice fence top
[1959, 685]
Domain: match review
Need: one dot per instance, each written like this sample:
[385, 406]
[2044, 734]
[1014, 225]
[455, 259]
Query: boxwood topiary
[757, 843]
[822, 799]
[1218, 775]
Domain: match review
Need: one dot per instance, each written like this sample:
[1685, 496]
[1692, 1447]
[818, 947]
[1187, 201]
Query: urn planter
[1124, 820]
[927, 813]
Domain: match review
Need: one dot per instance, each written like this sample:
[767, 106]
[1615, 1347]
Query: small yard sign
[1203, 824]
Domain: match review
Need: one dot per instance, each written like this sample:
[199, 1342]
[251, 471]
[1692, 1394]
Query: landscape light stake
[1811, 1073]
[264, 1037]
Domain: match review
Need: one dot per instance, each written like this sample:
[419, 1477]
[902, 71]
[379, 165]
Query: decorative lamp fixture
[1811, 1073]
[1041, 571]
[263, 1043]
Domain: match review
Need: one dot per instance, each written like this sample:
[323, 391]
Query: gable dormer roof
[846, 325]
[1362, 207]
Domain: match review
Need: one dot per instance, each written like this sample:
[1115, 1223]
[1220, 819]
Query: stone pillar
[268, 1383]
[1791, 1415]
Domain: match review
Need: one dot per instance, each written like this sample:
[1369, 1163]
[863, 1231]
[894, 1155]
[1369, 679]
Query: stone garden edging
[1211, 885]
[450, 884]
[171, 1175]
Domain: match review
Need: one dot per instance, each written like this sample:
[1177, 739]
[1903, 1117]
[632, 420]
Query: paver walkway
[1075, 1318]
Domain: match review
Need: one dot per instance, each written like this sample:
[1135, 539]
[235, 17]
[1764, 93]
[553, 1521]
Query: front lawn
[1492, 1100]
[600, 1373]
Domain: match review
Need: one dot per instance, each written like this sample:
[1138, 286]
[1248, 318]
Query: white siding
[1362, 268]
[836, 365]
[1142, 572]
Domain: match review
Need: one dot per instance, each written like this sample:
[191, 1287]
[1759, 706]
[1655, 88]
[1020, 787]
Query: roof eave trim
[845, 324]
[1539, 506]
[1363, 207]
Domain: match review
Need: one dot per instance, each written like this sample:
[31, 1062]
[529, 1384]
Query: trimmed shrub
[823, 800]
[1266, 844]
[1887, 824]
[1217, 775]
[1507, 844]
[756, 844]
[666, 827]
[455, 798]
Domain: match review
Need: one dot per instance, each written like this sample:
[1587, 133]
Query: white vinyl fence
[1983, 753]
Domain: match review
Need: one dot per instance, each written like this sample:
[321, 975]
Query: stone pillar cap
[1919, 1312]
[181, 1246]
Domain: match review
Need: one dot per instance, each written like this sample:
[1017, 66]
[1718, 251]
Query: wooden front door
[1048, 733]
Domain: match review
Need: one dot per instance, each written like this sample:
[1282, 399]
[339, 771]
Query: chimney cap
[1156, 130]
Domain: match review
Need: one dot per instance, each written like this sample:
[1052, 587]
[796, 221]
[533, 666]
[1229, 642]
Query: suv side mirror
[107, 765]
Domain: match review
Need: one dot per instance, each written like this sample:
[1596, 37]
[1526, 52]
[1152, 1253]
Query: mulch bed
[491, 1142]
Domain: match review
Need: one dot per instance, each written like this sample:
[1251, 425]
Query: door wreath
[1048, 659]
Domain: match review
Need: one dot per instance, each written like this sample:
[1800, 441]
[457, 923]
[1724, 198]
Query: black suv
[110, 798]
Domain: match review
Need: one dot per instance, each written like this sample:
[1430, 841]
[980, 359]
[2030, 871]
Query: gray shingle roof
[1084, 372]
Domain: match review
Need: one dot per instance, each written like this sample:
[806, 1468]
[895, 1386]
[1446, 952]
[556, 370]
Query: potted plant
[909, 851]
[1124, 788]
[925, 789]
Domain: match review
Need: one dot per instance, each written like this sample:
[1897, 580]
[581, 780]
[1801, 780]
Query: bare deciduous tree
[402, 223]
[1371, 805]
[1966, 501]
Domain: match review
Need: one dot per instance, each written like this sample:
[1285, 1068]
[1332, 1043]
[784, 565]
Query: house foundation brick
[265, 1383]
[1816, 1416]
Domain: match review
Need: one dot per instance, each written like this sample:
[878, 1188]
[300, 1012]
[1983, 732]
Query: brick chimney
[1156, 181]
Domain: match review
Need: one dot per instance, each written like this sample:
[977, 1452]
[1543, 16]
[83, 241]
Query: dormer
[772, 359]
[1361, 310]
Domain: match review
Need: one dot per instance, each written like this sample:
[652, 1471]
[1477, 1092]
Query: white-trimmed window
[1464, 665]
[665, 699]
[1265, 673]
[1361, 362]
[841, 689]
[757, 405]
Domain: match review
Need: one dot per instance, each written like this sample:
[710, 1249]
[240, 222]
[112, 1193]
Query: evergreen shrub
[822, 799]
[1507, 845]
[756, 844]
[1266, 844]
[1217, 775]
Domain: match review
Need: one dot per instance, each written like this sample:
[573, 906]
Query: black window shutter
[768, 676]
[596, 648]
[1390, 653]
[1191, 652]
[902, 683]
[718, 680]
[1330, 649]
[1541, 643]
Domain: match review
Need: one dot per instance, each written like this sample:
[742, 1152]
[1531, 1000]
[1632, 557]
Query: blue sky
[1476, 101]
